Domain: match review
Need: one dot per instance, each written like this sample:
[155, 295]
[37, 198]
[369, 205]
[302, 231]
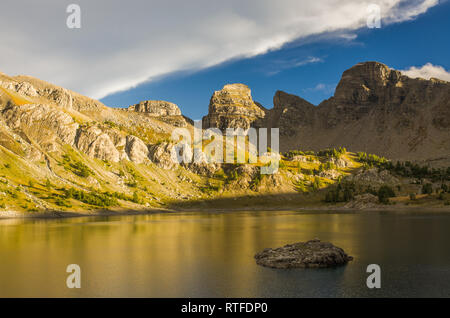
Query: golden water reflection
[210, 254]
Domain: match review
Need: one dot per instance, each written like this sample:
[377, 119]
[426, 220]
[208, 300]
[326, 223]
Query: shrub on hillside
[97, 199]
[384, 193]
[427, 188]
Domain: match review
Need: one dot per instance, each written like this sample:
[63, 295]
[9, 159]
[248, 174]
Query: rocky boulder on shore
[310, 254]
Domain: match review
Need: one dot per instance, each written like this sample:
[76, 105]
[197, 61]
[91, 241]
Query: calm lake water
[211, 255]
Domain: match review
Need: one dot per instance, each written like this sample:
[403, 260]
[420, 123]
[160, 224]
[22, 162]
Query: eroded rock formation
[232, 107]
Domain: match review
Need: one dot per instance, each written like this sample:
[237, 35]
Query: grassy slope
[31, 187]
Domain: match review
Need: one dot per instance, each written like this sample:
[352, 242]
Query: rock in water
[313, 253]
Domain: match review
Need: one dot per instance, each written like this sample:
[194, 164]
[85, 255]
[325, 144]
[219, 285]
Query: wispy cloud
[348, 36]
[121, 45]
[322, 87]
[428, 71]
[280, 65]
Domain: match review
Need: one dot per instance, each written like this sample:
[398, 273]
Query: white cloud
[279, 65]
[348, 37]
[428, 71]
[322, 87]
[122, 44]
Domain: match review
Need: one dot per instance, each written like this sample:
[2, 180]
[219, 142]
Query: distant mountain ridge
[374, 109]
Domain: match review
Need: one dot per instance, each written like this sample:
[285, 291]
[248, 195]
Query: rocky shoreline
[55, 214]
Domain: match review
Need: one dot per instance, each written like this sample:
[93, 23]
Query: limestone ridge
[165, 111]
[374, 109]
[156, 108]
[380, 110]
[38, 119]
[232, 107]
[61, 150]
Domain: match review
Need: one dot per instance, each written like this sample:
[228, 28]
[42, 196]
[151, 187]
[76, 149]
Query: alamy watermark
[374, 279]
[74, 279]
[74, 19]
[238, 145]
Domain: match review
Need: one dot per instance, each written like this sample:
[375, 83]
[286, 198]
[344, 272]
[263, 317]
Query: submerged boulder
[313, 253]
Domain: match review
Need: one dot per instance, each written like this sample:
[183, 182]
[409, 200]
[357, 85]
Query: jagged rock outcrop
[330, 174]
[23, 88]
[136, 149]
[232, 107]
[119, 139]
[247, 173]
[340, 162]
[156, 108]
[200, 163]
[41, 123]
[161, 155]
[373, 177]
[95, 143]
[363, 201]
[60, 96]
[164, 111]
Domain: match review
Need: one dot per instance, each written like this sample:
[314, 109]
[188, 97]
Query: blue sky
[400, 46]
[181, 51]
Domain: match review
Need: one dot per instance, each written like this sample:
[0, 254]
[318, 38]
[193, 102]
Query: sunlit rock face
[97, 144]
[165, 111]
[156, 108]
[232, 107]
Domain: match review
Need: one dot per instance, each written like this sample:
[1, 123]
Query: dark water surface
[211, 255]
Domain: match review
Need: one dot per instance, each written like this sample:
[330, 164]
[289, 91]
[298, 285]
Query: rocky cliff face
[374, 109]
[232, 107]
[53, 139]
[164, 111]
[289, 113]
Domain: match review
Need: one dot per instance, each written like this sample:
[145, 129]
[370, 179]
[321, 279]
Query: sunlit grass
[16, 98]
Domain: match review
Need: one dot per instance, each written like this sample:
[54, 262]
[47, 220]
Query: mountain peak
[364, 78]
[236, 86]
[232, 107]
[283, 100]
